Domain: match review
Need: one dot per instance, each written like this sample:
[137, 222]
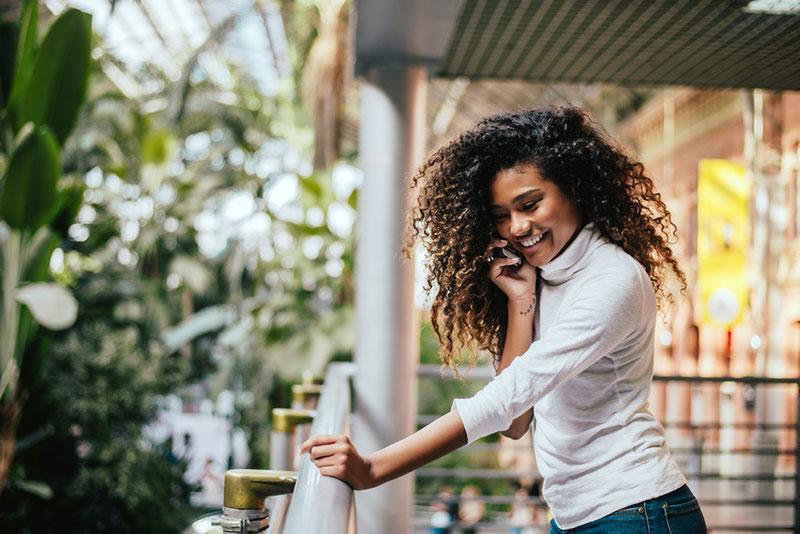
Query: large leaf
[50, 304]
[29, 198]
[60, 75]
[25, 54]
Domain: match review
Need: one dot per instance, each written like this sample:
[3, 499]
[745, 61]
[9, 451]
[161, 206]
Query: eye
[499, 216]
[529, 206]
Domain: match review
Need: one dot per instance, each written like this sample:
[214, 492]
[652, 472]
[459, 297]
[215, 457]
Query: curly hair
[451, 217]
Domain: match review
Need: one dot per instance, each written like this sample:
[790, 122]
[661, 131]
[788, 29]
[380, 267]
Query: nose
[520, 226]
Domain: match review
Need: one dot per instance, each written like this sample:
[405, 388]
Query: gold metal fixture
[285, 419]
[303, 392]
[246, 489]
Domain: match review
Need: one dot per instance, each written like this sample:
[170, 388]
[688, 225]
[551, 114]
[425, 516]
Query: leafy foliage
[86, 421]
[43, 89]
[53, 93]
[159, 218]
[29, 196]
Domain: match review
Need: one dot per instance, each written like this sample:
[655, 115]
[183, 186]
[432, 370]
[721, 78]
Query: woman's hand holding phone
[513, 275]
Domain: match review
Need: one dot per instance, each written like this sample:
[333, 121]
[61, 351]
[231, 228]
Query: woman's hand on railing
[337, 457]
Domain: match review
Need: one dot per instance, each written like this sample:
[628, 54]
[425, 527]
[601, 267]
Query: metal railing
[738, 468]
[278, 500]
[325, 505]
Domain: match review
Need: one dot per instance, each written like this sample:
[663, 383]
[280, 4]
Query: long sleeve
[594, 321]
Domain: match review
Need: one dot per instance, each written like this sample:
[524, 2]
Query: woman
[570, 322]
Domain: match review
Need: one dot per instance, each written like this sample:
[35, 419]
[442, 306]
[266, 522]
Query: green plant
[42, 88]
[85, 420]
[260, 307]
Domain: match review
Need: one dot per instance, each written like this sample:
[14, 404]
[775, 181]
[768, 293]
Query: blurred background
[185, 182]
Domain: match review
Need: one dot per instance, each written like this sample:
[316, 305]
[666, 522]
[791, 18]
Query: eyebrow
[519, 197]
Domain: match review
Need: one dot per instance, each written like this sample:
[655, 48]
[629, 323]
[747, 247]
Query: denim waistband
[678, 495]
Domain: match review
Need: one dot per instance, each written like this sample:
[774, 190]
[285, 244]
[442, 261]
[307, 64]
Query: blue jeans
[677, 512]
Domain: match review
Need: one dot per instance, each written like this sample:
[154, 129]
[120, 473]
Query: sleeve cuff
[477, 423]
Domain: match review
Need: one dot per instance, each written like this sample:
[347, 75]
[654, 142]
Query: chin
[540, 260]
[534, 262]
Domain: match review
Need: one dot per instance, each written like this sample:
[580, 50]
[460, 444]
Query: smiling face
[532, 213]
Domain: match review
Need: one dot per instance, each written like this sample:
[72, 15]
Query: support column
[762, 156]
[392, 144]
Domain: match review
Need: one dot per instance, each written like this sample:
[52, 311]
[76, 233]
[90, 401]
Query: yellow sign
[723, 234]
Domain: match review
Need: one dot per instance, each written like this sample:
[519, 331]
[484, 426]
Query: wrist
[522, 305]
[373, 478]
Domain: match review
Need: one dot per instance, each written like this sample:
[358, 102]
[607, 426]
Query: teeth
[533, 241]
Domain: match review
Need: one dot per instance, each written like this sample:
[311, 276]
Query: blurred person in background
[440, 519]
[445, 511]
[472, 509]
[549, 248]
[524, 513]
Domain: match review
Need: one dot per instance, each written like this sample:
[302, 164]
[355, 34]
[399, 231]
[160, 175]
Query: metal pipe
[305, 396]
[323, 504]
[246, 491]
[283, 446]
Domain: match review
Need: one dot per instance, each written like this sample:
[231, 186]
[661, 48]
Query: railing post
[321, 504]
[283, 447]
[312, 379]
[305, 396]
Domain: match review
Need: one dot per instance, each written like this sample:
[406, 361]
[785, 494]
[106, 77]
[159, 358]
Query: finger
[499, 263]
[329, 461]
[316, 440]
[496, 269]
[495, 243]
[492, 260]
[321, 451]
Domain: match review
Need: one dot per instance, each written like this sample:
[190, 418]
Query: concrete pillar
[392, 144]
[762, 155]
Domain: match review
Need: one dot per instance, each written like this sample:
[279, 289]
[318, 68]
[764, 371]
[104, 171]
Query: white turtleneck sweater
[587, 376]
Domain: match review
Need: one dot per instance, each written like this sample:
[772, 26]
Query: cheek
[501, 229]
[547, 216]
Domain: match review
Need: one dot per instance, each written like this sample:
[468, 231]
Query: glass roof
[144, 43]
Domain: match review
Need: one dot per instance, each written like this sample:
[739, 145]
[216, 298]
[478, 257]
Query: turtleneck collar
[574, 257]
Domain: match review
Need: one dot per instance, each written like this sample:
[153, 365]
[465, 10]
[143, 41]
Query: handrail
[485, 372]
[323, 504]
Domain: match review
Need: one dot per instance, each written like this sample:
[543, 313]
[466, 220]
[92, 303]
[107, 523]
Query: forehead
[508, 183]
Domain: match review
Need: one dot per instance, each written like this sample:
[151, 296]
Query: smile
[528, 243]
